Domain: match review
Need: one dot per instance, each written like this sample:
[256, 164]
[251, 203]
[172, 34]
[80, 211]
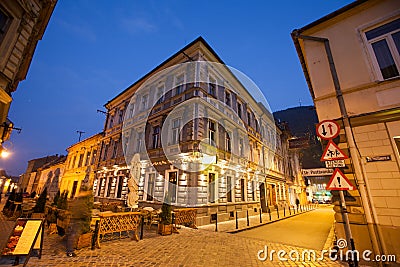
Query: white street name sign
[316, 172]
[335, 163]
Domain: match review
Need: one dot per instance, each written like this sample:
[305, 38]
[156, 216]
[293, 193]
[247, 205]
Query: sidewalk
[254, 221]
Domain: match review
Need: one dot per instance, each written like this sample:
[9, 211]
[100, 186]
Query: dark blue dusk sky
[92, 50]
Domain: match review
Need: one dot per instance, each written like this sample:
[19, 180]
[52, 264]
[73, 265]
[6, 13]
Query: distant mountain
[301, 122]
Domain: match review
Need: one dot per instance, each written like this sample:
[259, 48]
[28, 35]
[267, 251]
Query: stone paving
[190, 247]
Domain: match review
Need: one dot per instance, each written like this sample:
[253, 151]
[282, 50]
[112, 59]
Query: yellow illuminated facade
[79, 165]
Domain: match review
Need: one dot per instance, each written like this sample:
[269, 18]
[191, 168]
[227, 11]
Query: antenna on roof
[80, 134]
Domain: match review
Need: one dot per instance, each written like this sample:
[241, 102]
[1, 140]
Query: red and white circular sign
[328, 129]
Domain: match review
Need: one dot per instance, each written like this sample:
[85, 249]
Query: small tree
[166, 211]
[41, 202]
[62, 202]
[56, 198]
[87, 209]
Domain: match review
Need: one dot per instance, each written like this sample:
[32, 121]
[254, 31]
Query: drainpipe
[354, 153]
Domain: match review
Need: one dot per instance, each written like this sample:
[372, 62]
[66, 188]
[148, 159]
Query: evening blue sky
[92, 50]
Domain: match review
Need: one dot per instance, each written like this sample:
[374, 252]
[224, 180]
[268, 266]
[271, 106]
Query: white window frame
[179, 85]
[210, 78]
[390, 43]
[131, 109]
[160, 96]
[241, 147]
[215, 133]
[176, 131]
[166, 183]
[146, 185]
[139, 141]
[144, 102]
[216, 196]
[226, 99]
[228, 141]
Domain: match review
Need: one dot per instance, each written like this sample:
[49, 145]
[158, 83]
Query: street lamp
[4, 153]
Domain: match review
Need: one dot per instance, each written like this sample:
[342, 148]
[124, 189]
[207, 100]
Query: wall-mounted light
[4, 153]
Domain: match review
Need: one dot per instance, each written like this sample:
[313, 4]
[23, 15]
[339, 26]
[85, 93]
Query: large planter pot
[84, 240]
[165, 229]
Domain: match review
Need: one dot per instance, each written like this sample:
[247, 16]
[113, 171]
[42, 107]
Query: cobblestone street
[190, 247]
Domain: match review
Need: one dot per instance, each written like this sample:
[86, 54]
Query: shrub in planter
[165, 225]
[81, 211]
[41, 202]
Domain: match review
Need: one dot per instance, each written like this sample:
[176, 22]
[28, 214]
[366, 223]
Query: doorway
[172, 179]
[74, 187]
[262, 198]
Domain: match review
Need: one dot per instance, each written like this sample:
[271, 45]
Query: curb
[331, 236]
[262, 224]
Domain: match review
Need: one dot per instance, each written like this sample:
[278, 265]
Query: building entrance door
[74, 187]
[172, 179]
[262, 198]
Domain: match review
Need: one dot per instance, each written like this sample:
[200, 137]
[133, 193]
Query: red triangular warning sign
[332, 152]
[339, 181]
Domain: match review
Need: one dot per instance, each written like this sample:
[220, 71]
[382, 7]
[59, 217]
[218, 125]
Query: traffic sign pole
[347, 230]
[328, 130]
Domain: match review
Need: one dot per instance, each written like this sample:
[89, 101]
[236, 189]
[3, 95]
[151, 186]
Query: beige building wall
[23, 26]
[50, 177]
[373, 107]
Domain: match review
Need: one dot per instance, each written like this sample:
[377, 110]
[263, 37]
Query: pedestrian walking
[81, 210]
[297, 203]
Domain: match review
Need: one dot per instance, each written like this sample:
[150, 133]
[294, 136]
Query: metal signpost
[334, 157]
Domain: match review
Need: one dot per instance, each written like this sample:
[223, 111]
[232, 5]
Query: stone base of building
[362, 241]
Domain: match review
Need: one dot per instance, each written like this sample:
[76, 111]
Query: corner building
[200, 135]
[364, 42]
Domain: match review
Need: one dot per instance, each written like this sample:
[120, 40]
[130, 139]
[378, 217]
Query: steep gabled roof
[160, 66]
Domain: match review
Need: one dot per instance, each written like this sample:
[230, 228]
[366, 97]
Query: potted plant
[85, 238]
[41, 202]
[165, 226]
[62, 215]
